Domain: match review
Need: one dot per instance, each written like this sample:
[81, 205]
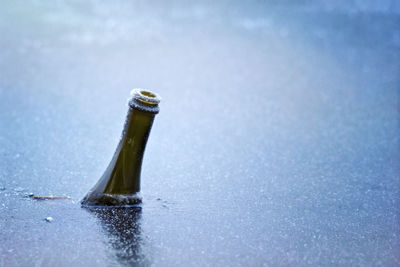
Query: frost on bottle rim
[145, 100]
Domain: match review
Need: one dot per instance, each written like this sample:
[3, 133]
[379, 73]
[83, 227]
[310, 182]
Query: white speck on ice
[49, 219]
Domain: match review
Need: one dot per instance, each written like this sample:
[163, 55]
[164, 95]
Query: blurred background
[277, 142]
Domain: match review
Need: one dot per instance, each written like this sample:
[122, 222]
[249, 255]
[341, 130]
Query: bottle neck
[139, 105]
[145, 100]
[125, 170]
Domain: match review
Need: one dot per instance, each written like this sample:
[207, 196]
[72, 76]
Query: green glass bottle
[120, 183]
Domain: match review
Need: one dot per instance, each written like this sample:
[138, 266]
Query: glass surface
[277, 142]
[120, 183]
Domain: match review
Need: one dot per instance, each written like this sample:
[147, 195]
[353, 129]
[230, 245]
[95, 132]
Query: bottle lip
[146, 96]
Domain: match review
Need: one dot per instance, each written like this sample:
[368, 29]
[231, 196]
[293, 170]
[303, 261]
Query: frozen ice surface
[277, 142]
[18, 189]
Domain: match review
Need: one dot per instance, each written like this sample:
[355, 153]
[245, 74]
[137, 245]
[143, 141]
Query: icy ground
[277, 142]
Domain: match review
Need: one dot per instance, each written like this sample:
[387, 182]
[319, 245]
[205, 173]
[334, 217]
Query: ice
[19, 189]
[276, 144]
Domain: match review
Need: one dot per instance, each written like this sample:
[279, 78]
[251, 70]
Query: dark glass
[120, 183]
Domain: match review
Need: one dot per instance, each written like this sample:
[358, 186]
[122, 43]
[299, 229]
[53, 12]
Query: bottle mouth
[145, 96]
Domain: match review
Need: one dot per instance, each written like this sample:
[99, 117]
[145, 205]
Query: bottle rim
[146, 96]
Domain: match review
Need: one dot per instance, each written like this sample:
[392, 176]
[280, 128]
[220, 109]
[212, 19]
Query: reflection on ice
[122, 226]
